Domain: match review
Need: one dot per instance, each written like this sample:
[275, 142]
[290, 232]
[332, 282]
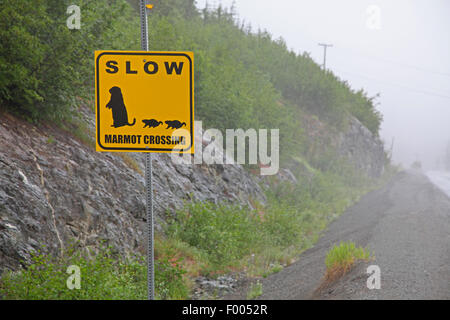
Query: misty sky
[405, 57]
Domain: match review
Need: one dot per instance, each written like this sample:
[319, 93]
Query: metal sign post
[130, 74]
[150, 256]
[148, 176]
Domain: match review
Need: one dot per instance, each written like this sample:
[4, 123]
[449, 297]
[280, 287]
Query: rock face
[364, 151]
[354, 143]
[54, 189]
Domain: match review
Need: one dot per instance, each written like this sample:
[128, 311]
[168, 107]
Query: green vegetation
[51, 140]
[276, 268]
[342, 257]
[108, 276]
[231, 237]
[45, 67]
[224, 233]
[255, 291]
[244, 79]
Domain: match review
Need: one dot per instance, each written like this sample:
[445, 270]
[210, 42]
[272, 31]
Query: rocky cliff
[365, 151]
[54, 189]
[355, 142]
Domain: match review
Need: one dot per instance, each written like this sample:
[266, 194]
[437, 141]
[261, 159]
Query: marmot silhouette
[119, 111]
[174, 124]
[151, 123]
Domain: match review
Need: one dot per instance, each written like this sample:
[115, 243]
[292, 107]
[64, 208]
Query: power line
[396, 84]
[402, 64]
[412, 67]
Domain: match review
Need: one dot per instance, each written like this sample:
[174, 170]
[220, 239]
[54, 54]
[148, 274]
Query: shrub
[105, 276]
[44, 66]
[225, 233]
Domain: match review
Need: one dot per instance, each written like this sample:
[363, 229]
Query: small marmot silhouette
[174, 124]
[119, 111]
[151, 123]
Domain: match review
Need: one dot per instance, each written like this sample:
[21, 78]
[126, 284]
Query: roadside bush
[225, 233]
[104, 276]
[284, 225]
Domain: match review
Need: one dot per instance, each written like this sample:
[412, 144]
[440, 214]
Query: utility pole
[324, 45]
[392, 148]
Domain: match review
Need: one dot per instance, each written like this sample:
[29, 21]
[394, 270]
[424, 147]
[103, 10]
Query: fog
[400, 49]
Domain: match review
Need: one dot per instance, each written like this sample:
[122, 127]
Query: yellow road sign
[144, 101]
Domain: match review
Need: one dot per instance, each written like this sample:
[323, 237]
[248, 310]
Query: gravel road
[405, 225]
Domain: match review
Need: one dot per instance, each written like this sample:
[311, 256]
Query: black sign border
[144, 53]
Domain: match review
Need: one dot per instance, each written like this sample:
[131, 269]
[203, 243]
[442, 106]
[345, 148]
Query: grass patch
[51, 140]
[341, 258]
[190, 259]
[275, 269]
[255, 291]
